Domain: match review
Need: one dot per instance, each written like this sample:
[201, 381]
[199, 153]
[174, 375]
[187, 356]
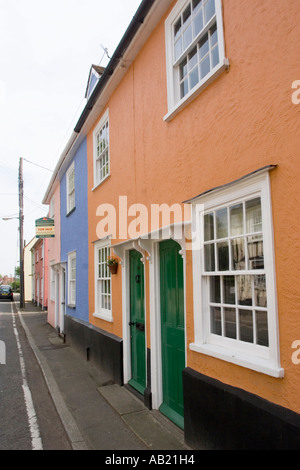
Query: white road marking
[36, 440]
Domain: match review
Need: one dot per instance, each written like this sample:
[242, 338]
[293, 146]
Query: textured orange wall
[241, 122]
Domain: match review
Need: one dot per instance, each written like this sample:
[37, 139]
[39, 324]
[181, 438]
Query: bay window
[234, 275]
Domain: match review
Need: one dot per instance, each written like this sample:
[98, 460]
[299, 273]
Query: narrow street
[28, 418]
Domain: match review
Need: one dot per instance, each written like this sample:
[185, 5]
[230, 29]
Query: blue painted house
[74, 233]
[68, 271]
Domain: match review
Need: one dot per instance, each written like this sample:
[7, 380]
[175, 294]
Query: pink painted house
[57, 269]
[40, 274]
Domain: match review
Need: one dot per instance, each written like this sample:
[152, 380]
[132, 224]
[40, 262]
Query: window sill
[104, 316]
[73, 307]
[101, 182]
[71, 211]
[254, 363]
[176, 108]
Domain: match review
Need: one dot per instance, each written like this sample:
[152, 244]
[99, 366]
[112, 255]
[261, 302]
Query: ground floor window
[103, 307]
[234, 271]
[235, 308]
[72, 279]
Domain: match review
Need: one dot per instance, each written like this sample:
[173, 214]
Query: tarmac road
[28, 417]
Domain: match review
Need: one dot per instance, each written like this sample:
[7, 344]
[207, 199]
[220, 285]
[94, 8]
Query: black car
[6, 293]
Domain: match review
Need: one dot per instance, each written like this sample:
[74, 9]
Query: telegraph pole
[21, 221]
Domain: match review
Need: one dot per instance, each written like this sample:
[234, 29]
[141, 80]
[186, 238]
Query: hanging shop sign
[44, 228]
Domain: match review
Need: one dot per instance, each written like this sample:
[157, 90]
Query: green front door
[137, 322]
[172, 330]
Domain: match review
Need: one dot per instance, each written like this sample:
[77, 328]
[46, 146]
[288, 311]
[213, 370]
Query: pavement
[96, 414]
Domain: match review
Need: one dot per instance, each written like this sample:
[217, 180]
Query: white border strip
[36, 440]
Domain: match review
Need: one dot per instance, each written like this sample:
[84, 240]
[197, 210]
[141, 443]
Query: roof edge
[127, 38]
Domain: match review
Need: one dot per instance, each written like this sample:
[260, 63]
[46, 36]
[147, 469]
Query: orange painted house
[194, 115]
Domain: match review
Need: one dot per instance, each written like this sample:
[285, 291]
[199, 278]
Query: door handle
[131, 323]
[138, 278]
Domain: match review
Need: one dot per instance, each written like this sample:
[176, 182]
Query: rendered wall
[54, 253]
[243, 121]
[74, 234]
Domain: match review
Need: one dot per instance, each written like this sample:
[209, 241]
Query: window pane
[177, 30]
[230, 323]
[215, 57]
[222, 223]
[205, 67]
[209, 227]
[187, 37]
[196, 5]
[260, 292]
[253, 215]
[244, 290]
[229, 289]
[262, 328]
[238, 254]
[213, 35]
[223, 256]
[215, 293]
[184, 88]
[192, 58]
[194, 78]
[216, 323]
[209, 10]
[255, 252]
[187, 25]
[178, 48]
[183, 69]
[198, 23]
[236, 220]
[204, 46]
[186, 14]
[209, 257]
[246, 325]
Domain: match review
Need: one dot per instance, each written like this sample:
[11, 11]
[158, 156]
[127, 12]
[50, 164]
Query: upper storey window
[101, 151]
[71, 188]
[195, 49]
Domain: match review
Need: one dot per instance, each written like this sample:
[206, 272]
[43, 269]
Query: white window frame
[72, 279]
[70, 188]
[262, 359]
[100, 312]
[96, 157]
[175, 103]
[52, 208]
[52, 283]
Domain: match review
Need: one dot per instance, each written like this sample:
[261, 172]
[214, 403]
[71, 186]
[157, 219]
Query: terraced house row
[184, 167]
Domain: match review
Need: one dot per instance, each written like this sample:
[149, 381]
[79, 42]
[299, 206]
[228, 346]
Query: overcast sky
[46, 50]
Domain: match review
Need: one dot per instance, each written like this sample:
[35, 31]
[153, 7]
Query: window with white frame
[236, 305]
[195, 49]
[71, 188]
[72, 279]
[103, 308]
[52, 283]
[101, 150]
[52, 208]
[235, 270]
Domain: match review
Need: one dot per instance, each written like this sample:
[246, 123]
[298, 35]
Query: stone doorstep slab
[121, 400]
[140, 420]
